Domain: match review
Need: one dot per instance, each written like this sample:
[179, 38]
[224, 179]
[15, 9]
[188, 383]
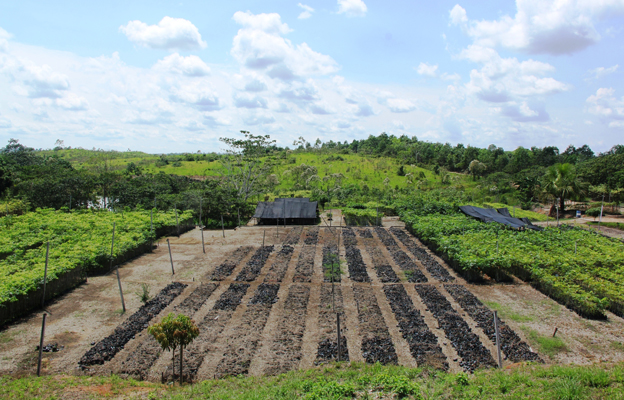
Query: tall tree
[244, 170]
[561, 181]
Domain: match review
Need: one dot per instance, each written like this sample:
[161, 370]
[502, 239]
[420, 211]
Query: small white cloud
[43, 82]
[4, 40]
[255, 86]
[352, 8]
[400, 105]
[458, 15]
[169, 34]
[5, 123]
[427, 70]
[204, 99]
[259, 119]
[601, 72]
[307, 11]
[243, 100]
[364, 110]
[606, 106]
[269, 23]
[191, 125]
[189, 66]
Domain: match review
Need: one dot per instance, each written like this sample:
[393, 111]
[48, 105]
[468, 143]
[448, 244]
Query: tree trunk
[561, 204]
[173, 365]
[181, 360]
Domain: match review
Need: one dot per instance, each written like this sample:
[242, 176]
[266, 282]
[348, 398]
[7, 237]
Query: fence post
[202, 233]
[45, 275]
[238, 213]
[222, 228]
[170, 257]
[263, 235]
[123, 303]
[175, 210]
[498, 344]
[152, 228]
[338, 332]
[41, 344]
[200, 211]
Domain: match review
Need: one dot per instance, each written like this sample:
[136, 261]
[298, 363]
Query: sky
[164, 77]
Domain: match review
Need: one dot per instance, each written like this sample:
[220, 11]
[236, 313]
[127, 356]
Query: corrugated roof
[296, 207]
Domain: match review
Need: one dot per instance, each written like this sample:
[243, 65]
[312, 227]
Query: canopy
[500, 215]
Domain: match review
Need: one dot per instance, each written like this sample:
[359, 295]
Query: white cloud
[259, 46]
[191, 125]
[259, 118]
[601, 72]
[394, 104]
[169, 34]
[605, 105]
[352, 8]
[73, 102]
[506, 79]
[202, 98]
[255, 86]
[427, 70]
[4, 40]
[189, 66]
[243, 100]
[541, 27]
[307, 11]
[42, 81]
[5, 123]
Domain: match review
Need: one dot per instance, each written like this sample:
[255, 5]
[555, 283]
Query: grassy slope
[356, 168]
[336, 381]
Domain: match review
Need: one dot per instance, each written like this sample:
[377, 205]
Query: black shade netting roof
[287, 208]
[500, 215]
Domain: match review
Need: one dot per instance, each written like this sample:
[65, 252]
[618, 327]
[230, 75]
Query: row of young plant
[79, 239]
[579, 268]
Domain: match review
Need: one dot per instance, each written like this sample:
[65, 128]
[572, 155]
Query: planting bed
[384, 271]
[377, 345]
[474, 355]
[512, 346]
[311, 236]
[286, 346]
[293, 236]
[225, 269]
[436, 270]
[251, 271]
[412, 272]
[422, 342]
[365, 233]
[330, 304]
[280, 265]
[245, 336]
[305, 265]
[357, 268]
[106, 349]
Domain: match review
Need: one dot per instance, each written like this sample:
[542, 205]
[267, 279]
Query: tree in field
[244, 170]
[172, 332]
[477, 168]
[562, 182]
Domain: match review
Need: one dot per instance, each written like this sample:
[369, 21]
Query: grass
[505, 312]
[614, 225]
[346, 380]
[551, 346]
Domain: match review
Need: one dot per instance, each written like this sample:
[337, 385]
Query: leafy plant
[144, 295]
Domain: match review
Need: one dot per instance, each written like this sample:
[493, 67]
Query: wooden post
[152, 228]
[555, 332]
[170, 257]
[238, 212]
[123, 303]
[41, 345]
[200, 212]
[338, 332]
[263, 235]
[222, 228]
[202, 233]
[377, 216]
[45, 275]
[498, 344]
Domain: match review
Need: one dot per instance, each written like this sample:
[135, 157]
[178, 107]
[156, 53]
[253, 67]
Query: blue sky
[172, 77]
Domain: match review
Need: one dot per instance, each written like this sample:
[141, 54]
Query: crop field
[268, 310]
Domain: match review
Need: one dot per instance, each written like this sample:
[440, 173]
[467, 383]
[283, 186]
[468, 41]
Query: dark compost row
[474, 355]
[512, 346]
[384, 271]
[305, 265]
[357, 268]
[330, 304]
[231, 261]
[253, 267]
[280, 265]
[436, 270]
[412, 272]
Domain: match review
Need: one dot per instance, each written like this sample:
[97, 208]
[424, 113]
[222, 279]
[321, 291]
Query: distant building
[296, 211]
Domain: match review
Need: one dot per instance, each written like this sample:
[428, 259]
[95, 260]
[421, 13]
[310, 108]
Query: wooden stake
[170, 257]
[175, 210]
[238, 212]
[200, 212]
[498, 344]
[123, 303]
[181, 360]
[45, 275]
[41, 345]
[338, 332]
[222, 228]
[263, 235]
[555, 332]
[202, 233]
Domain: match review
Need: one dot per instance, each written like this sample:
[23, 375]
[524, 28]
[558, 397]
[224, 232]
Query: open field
[271, 310]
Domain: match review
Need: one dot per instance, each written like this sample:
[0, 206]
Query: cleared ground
[273, 309]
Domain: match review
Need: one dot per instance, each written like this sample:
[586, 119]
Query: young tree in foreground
[245, 172]
[172, 332]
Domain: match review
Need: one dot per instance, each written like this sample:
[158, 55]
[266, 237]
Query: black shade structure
[500, 215]
[296, 210]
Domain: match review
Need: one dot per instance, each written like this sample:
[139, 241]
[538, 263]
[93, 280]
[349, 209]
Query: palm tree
[562, 182]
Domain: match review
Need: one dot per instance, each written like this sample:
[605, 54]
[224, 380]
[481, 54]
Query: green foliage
[77, 239]
[593, 212]
[547, 344]
[144, 294]
[174, 331]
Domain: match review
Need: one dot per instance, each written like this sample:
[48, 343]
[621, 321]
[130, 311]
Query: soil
[267, 310]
